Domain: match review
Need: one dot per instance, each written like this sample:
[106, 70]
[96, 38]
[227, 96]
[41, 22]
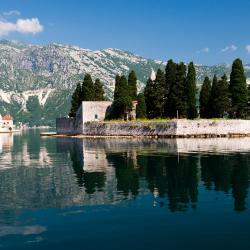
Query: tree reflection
[240, 182]
[126, 173]
[175, 179]
[227, 173]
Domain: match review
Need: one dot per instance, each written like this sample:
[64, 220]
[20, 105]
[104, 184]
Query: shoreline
[204, 136]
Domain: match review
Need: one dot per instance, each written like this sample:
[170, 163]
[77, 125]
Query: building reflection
[6, 142]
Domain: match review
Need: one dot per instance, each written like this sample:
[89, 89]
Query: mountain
[36, 82]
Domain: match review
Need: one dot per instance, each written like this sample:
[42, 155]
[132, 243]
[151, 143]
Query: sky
[203, 31]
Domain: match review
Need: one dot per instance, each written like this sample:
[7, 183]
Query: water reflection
[163, 168]
[59, 172]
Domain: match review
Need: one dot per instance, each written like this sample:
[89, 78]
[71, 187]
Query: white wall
[92, 109]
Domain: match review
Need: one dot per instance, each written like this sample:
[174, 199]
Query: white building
[6, 123]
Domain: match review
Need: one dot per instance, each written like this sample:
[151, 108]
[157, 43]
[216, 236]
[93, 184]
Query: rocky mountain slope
[36, 82]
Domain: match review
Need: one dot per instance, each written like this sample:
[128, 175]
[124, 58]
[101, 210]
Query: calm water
[60, 193]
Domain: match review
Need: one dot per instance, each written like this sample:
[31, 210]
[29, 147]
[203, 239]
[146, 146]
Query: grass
[166, 120]
[141, 120]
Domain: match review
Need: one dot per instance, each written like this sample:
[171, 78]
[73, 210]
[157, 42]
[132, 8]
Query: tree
[170, 79]
[238, 90]
[88, 93]
[76, 100]
[213, 96]
[141, 106]
[35, 111]
[177, 96]
[220, 101]
[248, 102]
[204, 98]
[122, 101]
[98, 91]
[191, 92]
[132, 85]
[159, 93]
[117, 85]
[150, 98]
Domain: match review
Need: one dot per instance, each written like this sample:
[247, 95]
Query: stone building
[89, 111]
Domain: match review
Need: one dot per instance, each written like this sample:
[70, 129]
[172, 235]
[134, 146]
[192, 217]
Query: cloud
[12, 13]
[248, 48]
[205, 50]
[24, 26]
[230, 48]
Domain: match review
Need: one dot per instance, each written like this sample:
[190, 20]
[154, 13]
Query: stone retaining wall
[175, 128]
[70, 126]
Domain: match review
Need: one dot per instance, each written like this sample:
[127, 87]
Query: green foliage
[160, 93]
[150, 98]
[34, 111]
[122, 101]
[170, 78]
[98, 91]
[132, 85]
[154, 95]
[117, 85]
[177, 95]
[76, 100]
[170, 74]
[205, 98]
[219, 100]
[141, 106]
[191, 92]
[238, 90]
[88, 93]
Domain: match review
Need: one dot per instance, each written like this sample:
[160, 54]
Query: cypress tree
[213, 96]
[248, 102]
[76, 100]
[98, 91]
[132, 85]
[150, 98]
[117, 85]
[122, 101]
[238, 90]
[205, 98]
[88, 93]
[170, 78]
[191, 92]
[177, 96]
[141, 106]
[159, 94]
[220, 101]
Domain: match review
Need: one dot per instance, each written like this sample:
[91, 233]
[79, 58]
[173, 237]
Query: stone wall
[70, 126]
[175, 128]
[213, 127]
[130, 128]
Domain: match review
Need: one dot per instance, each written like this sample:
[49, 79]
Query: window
[96, 116]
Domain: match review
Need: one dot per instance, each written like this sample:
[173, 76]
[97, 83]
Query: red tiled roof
[7, 118]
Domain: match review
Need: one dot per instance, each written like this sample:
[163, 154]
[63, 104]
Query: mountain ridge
[51, 72]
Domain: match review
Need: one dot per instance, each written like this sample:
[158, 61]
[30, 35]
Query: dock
[48, 134]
